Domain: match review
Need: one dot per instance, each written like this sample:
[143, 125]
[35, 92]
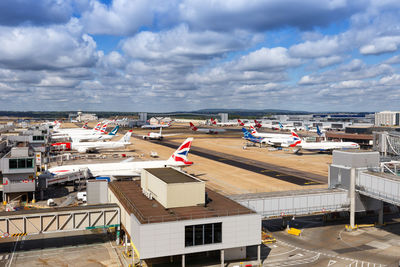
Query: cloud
[381, 45]
[122, 17]
[328, 61]
[267, 59]
[261, 15]
[320, 48]
[55, 47]
[27, 12]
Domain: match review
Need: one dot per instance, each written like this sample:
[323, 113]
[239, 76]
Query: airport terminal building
[170, 213]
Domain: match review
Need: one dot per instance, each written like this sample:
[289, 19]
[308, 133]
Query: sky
[163, 56]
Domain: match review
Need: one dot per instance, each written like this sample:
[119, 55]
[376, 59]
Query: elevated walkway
[59, 219]
[381, 186]
[297, 202]
[47, 179]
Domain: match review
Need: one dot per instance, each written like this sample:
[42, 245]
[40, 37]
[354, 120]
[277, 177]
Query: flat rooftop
[129, 193]
[172, 176]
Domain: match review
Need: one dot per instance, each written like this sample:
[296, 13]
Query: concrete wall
[175, 194]
[185, 194]
[97, 192]
[355, 159]
[165, 239]
[126, 220]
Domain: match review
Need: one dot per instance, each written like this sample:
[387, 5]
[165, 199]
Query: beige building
[387, 118]
[172, 188]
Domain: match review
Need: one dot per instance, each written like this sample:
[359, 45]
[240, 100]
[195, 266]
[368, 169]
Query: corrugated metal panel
[297, 204]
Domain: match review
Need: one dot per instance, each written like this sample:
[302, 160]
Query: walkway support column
[380, 214]
[352, 197]
[222, 258]
[183, 260]
[259, 255]
[117, 233]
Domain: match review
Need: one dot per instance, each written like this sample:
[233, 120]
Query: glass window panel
[12, 164]
[189, 236]
[21, 163]
[29, 163]
[198, 235]
[217, 232]
[208, 235]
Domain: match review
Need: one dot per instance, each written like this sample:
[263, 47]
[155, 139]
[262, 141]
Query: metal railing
[172, 216]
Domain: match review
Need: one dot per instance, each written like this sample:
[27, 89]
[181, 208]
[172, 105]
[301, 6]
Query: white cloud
[46, 48]
[381, 45]
[267, 59]
[122, 17]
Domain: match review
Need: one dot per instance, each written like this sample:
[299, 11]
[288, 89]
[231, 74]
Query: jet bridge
[47, 179]
[296, 202]
[52, 220]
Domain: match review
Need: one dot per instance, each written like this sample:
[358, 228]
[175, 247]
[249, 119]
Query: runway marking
[4, 257]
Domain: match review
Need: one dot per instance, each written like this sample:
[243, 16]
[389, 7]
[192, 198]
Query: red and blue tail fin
[180, 155]
[296, 139]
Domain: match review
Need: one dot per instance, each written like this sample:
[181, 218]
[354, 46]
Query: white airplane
[206, 130]
[127, 169]
[268, 135]
[214, 122]
[322, 146]
[83, 147]
[98, 129]
[156, 126]
[156, 136]
[271, 141]
[90, 136]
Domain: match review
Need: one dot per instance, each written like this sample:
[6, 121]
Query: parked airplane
[214, 122]
[323, 146]
[83, 147]
[178, 159]
[255, 133]
[95, 137]
[206, 130]
[271, 141]
[156, 136]
[156, 126]
[67, 131]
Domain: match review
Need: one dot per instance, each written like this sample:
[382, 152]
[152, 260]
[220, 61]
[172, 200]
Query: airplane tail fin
[180, 155]
[253, 130]
[85, 126]
[194, 128]
[247, 134]
[257, 124]
[114, 131]
[280, 125]
[97, 127]
[296, 139]
[126, 137]
[319, 131]
[240, 122]
[213, 121]
[103, 128]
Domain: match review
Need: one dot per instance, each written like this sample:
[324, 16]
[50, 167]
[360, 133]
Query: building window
[20, 163]
[203, 234]
[38, 138]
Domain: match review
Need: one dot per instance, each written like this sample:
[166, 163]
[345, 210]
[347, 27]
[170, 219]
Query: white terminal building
[387, 118]
[172, 214]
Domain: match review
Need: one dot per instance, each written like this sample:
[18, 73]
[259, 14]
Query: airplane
[83, 147]
[66, 131]
[156, 136]
[271, 141]
[156, 126]
[323, 146]
[89, 135]
[206, 130]
[95, 137]
[268, 135]
[214, 122]
[126, 169]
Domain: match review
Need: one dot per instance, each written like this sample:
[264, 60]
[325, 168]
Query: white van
[81, 196]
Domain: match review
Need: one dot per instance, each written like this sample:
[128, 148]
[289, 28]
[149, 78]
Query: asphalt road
[278, 172]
